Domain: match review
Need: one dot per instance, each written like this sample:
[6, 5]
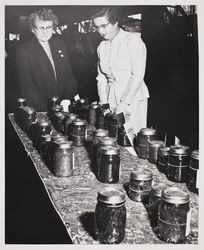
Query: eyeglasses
[41, 29]
[102, 26]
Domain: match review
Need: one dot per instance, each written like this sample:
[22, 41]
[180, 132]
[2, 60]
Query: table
[74, 198]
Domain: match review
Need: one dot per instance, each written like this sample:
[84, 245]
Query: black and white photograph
[101, 124]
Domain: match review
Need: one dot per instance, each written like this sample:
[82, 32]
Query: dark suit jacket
[36, 75]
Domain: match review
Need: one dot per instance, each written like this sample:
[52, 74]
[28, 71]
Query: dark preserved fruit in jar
[162, 161]
[78, 132]
[177, 168]
[174, 215]
[110, 216]
[140, 184]
[67, 122]
[154, 202]
[153, 150]
[193, 170]
[144, 137]
[97, 134]
[92, 114]
[109, 164]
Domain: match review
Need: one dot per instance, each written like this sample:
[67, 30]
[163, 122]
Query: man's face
[43, 30]
[106, 29]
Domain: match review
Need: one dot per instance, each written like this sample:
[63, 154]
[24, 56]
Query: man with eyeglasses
[121, 69]
[43, 64]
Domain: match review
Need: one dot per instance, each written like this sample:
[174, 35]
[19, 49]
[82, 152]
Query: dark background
[172, 79]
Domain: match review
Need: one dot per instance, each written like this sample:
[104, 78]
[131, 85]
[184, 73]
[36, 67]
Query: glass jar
[72, 107]
[109, 164]
[52, 102]
[63, 160]
[174, 215]
[140, 184]
[97, 134]
[53, 112]
[43, 127]
[21, 103]
[163, 155]
[100, 117]
[154, 202]
[92, 114]
[177, 168]
[113, 126]
[110, 216]
[81, 108]
[45, 147]
[67, 123]
[122, 137]
[193, 168]
[144, 137]
[78, 132]
[153, 150]
[28, 117]
[59, 118]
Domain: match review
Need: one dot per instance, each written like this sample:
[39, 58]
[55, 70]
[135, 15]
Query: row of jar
[168, 210]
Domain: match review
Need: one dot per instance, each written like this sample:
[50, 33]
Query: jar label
[188, 220]
[73, 160]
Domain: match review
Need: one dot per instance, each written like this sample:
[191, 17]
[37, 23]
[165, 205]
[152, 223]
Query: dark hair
[110, 12]
[44, 15]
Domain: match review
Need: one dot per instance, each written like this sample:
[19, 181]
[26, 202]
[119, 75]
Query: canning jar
[174, 215]
[78, 132]
[177, 168]
[21, 103]
[140, 184]
[163, 154]
[123, 138]
[97, 134]
[100, 117]
[193, 170]
[53, 112]
[42, 127]
[52, 102]
[110, 216]
[27, 118]
[63, 158]
[67, 123]
[154, 202]
[144, 137]
[153, 150]
[92, 114]
[109, 164]
[45, 147]
[72, 107]
[113, 125]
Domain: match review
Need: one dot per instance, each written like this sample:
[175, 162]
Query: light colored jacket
[121, 68]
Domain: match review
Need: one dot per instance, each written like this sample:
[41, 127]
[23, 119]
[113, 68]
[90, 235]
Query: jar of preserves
[100, 117]
[72, 107]
[82, 108]
[52, 102]
[140, 184]
[193, 170]
[122, 137]
[154, 202]
[97, 134]
[109, 164]
[59, 118]
[174, 215]
[113, 125]
[153, 150]
[177, 168]
[67, 122]
[92, 114]
[28, 117]
[21, 103]
[53, 112]
[110, 216]
[63, 160]
[45, 147]
[163, 155]
[78, 132]
[144, 137]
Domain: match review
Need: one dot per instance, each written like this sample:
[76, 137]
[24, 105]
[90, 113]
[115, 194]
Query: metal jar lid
[94, 105]
[141, 175]
[54, 98]
[175, 195]
[164, 150]
[108, 141]
[44, 123]
[156, 143]
[30, 110]
[64, 144]
[179, 149]
[111, 195]
[78, 122]
[109, 150]
[157, 188]
[21, 100]
[148, 131]
[100, 132]
[46, 137]
[195, 154]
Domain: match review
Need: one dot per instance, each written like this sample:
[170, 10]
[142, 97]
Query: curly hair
[44, 15]
[110, 12]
